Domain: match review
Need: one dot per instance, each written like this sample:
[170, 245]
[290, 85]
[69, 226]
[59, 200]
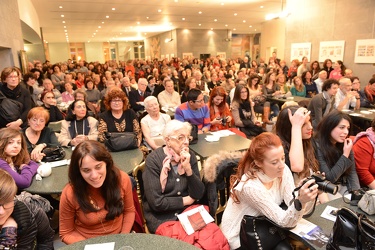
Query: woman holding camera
[333, 150]
[220, 115]
[262, 183]
[294, 128]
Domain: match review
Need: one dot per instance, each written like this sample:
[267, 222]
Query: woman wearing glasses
[171, 178]
[11, 88]
[22, 227]
[118, 117]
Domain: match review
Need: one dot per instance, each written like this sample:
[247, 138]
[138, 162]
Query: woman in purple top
[14, 157]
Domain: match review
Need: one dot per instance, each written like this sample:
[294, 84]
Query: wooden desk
[135, 241]
[54, 184]
[229, 143]
[325, 224]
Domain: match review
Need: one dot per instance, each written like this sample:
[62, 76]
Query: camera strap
[298, 205]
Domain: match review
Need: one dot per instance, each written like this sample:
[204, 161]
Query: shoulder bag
[352, 231]
[259, 232]
[367, 202]
[120, 141]
[56, 153]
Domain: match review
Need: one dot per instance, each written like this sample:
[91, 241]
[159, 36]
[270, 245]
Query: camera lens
[327, 187]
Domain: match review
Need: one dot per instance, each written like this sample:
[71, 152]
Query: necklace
[83, 127]
[101, 222]
[100, 216]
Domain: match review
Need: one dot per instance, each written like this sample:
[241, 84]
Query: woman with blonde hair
[298, 88]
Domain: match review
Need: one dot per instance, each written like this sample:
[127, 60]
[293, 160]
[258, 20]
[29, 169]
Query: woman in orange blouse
[98, 199]
[220, 115]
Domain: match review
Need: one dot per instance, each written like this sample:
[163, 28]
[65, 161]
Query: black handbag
[258, 232]
[10, 110]
[120, 141]
[194, 134]
[56, 153]
[352, 231]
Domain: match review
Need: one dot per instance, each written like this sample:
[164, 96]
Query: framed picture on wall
[299, 50]
[333, 50]
[222, 55]
[365, 51]
[187, 55]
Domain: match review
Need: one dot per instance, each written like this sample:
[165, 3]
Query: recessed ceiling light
[200, 24]
[96, 30]
[113, 8]
[215, 20]
[234, 28]
[200, 12]
[262, 7]
[99, 27]
[212, 28]
[244, 21]
[106, 16]
[222, 3]
[63, 21]
[94, 33]
[147, 17]
[176, 1]
[60, 7]
[235, 14]
[138, 23]
[255, 29]
[183, 19]
[64, 27]
[102, 22]
[159, 10]
[62, 15]
[250, 26]
[226, 25]
[65, 30]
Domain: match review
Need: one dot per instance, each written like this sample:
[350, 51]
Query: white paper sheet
[100, 246]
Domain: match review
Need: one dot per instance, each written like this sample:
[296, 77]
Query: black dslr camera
[323, 184]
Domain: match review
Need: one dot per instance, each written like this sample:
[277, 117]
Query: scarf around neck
[370, 136]
[170, 155]
[369, 93]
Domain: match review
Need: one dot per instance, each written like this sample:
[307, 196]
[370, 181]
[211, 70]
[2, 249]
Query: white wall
[273, 35]
[28, 15]
[94, 52]
[58, 52]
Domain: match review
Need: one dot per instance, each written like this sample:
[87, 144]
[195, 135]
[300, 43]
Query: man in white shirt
[169, 97]
[319, 82]
[345, 98]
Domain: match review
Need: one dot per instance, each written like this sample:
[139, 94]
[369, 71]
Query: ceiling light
[250, 26]
[159, 10]
[103, 22]
[234, 28]
[147, 17]
[212, 28]
[138, 23]
[64, 27]
[60, 7]
[235, 14]
[215, 20]
[63, 21]
[262, 7]
[200, 24]
[106, 16]
[183, 19]
[113, 8]
[222, 3]
[65, 30]
[62, 15]
[226, 25]
[99, 27]
[244, 21]
[200, 12]
[96, 30]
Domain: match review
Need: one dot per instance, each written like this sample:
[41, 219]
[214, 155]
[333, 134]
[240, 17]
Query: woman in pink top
[337, 71]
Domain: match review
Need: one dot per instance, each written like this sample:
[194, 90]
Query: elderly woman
[171, 177]
[11, 88]
[78, 126]
[22, 227]
[261, 184]
[49, 103]
[153, 124]
[364, 151]
[118, 117]
[37, 135]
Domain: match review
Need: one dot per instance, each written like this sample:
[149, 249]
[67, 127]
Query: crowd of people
[137, 96]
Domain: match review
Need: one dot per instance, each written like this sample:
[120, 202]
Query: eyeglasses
[12, 77]
[116, 100]
[9, 205]
[35, 120]
[182, 138]
[199, 101]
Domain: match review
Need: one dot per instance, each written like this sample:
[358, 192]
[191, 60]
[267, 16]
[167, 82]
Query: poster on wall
[299, 50]
[187, 55]
[365, 51]
[222, 55]
[333, 50]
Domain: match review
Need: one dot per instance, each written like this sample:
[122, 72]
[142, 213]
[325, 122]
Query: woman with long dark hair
[98, 199]
[220, 115]
[333, 150]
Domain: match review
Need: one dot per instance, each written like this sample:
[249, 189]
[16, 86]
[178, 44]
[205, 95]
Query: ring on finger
[311, 189]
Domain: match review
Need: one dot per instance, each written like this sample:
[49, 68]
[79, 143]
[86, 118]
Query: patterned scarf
[369, 93]
[171, 155]
[370, 136]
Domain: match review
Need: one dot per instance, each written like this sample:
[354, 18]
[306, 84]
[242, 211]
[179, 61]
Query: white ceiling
[139, 19]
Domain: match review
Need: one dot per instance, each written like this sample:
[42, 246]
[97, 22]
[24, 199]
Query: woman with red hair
[220, 115]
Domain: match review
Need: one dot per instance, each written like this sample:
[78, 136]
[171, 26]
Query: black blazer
[135, 97]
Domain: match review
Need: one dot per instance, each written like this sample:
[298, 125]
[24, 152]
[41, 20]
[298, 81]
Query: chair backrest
[137, 175]
[55, 126]
[217, 170]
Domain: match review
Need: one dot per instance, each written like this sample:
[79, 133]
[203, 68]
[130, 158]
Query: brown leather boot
[266, 114]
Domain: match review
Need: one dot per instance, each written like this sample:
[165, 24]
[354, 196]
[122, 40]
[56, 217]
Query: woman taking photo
[98, 199]
[153, 124]
[11, 88]
[294, 128]
[15, 159]
[298, 88]
[243, 113]
[78, 126]
[262, 183]
[220, 115]
[333, 149]
[171, 178]
[37, 135]
[22, 226]
[118, 117]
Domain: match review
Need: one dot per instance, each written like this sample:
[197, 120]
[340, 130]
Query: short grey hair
[148, 99]
[172, 126]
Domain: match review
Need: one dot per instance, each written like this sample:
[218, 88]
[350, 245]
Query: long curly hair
[23, 157]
